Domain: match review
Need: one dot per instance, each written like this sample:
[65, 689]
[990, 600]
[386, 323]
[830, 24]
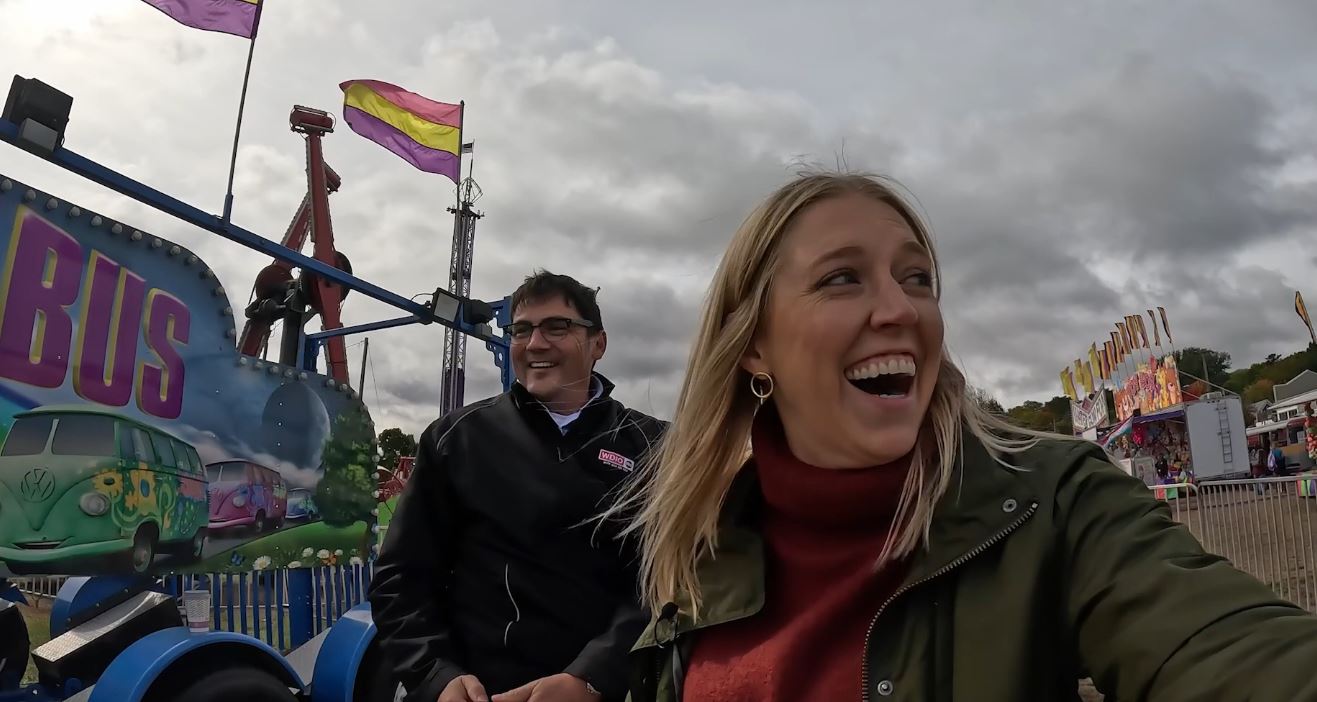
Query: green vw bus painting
[121, 382]
[79, 483]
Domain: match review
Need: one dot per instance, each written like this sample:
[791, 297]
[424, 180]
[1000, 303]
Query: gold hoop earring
[755, 387]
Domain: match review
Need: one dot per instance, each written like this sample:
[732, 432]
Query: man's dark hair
[543, 285]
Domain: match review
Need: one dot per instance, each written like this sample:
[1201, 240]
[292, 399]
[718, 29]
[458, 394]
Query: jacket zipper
[577, 449]
[516, 611]
[564, 431]
[868, 636]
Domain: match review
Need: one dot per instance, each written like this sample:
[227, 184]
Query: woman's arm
[1158, 618]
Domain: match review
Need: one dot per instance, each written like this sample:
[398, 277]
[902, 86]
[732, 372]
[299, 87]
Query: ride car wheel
[198, 544]
[142, 554]
[222, 685]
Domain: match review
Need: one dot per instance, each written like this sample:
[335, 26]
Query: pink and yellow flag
[424, 133]
[229, 16]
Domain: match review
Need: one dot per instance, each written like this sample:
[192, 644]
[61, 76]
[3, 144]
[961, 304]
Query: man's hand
[555, 688]
[465, 688]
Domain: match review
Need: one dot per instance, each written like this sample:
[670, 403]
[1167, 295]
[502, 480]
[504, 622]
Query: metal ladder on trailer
[1223, 431]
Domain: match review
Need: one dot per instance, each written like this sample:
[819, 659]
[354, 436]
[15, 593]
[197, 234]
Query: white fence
[1266, 527]
[39, 588]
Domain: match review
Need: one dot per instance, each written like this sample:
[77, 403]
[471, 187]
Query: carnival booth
[1155, 449]
[1290, 435]
[1192, 442]
[1297, 439]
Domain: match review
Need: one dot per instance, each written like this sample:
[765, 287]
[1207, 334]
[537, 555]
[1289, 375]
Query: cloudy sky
[1078, 161]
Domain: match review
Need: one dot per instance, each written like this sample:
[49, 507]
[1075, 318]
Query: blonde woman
[888, 539]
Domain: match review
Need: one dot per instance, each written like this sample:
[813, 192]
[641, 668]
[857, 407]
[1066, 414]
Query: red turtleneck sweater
[822, 532]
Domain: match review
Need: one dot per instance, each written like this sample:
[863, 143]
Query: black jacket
[487, 569]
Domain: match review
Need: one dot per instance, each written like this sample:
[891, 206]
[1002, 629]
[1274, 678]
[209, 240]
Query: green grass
[282, 547]
[38, 627]
[289, 545]
[38, 631]
[386, 512]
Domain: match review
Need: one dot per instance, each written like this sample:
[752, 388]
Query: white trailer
[1218, 444]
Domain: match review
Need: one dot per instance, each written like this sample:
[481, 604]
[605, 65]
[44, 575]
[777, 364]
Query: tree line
[1196, 364]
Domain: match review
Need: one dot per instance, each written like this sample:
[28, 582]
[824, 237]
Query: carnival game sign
[1154, 386]
[133, 435]
[1090, 413]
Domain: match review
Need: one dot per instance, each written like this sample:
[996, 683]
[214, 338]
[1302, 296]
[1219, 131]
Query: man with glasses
[494, 576]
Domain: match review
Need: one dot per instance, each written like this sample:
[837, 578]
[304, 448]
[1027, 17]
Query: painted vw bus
[80, 486]
[243, 493]
[302, 505]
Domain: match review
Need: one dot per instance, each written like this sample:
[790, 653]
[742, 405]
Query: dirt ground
[1272, 536]
[38, 631]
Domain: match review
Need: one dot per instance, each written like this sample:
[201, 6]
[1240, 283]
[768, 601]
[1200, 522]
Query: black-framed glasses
[551, 327]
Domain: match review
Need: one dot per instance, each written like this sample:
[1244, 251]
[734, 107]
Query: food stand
[1191, 442]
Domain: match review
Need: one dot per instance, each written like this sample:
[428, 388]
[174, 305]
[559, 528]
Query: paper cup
[196, 607]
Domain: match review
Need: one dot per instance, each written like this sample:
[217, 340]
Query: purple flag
[228, 16]
[425, 133]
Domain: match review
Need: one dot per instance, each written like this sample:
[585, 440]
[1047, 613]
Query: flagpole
[1166, 328]
[1170, 341]
[242, 103]
[448, 388]
[461, 119]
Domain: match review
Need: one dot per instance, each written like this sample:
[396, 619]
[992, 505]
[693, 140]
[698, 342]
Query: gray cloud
[1059, 218]
[1076, 166]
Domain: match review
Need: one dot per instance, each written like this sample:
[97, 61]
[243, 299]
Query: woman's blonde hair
[677, 500]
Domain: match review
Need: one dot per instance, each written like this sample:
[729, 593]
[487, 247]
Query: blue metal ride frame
[131, 673]
[497, 345]
[503, 317]
[335, 675]
[10, 592]
[145, 194]
[160, 649]
[82, 597]
[301, 596]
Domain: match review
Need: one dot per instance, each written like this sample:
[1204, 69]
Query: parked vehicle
[66, 476]
[243, 493]
[301, 505]
[80, 484]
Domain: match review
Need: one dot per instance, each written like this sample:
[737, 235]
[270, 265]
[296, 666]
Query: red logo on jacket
[616, 460]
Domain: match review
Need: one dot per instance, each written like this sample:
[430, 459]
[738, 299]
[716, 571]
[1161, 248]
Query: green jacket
[1033, 577]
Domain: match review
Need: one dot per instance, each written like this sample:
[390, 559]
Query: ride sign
[1154, 386]
[134, 436]
[46, 275]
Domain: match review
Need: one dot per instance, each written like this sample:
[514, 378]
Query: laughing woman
[888, 539]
